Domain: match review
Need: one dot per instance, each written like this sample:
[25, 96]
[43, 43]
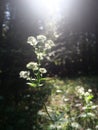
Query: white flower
[41, 38]
[32, 41]
[94, 106]
[75, 125]
[32, 65]
[83, 115]
[40, 56]
[86, 94]
[91, 102]
[51, 127]
[77, 105]
[59, 127]
[41, 113]
[91, 114]
[80, 90]
[84, 108]
[24, 74]
[58, 91]
[96, 126]
[88, 129]
[89, 90]
[65, 99]
[43, 70]
[49, 44]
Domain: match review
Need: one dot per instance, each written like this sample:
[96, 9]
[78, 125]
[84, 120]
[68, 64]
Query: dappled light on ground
[71, 104]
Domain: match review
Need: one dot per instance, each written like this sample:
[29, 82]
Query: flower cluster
[48, 44]
[40, 55]
[87, 96]
[80, 90]
[41, 38]
[32, 65]
[32, 41]
[40, 45]
[24, 74]
[43, 70]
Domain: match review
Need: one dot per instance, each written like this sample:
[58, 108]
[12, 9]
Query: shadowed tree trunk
[2, 9]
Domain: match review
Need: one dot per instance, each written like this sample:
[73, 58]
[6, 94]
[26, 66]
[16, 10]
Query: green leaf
[90, 97]
[61, 116]
[42, 79]
[32, 84]
[40, 85]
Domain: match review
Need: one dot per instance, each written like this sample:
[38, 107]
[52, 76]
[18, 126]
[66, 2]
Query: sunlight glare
[52, 6]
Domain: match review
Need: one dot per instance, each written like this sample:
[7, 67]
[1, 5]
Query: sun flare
[52, 6]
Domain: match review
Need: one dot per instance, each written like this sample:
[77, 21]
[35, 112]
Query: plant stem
[49, 115]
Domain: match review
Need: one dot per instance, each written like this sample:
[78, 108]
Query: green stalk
[49, 115]
[38, 76]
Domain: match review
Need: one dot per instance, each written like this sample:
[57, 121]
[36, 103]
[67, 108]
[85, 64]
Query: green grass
[62, 103]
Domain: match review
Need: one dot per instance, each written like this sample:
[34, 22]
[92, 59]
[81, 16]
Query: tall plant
[41, 47]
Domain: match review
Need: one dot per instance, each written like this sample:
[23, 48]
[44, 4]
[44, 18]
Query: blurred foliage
[71, 105]
[22, 115]
[59, 95]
